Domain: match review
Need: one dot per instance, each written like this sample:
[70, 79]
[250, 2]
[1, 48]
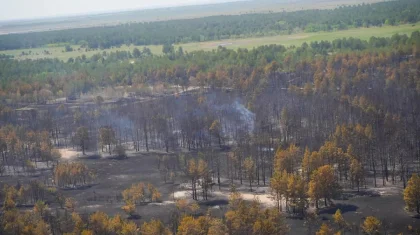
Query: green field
[286, 40]
[298, 39]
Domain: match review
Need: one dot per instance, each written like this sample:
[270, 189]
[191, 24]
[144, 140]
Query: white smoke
[247, 116]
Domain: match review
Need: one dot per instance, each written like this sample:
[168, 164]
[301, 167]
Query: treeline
[37, 81]
[223, 27]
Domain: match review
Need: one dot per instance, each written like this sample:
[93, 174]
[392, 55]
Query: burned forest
[322, 138]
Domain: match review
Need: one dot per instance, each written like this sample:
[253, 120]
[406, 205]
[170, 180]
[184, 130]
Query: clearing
[298, 39]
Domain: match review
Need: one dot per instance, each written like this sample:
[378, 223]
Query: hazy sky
[24, 9]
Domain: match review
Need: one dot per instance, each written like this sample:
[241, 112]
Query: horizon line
[96, 13]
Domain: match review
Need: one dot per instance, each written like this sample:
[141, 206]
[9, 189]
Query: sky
[28, 9]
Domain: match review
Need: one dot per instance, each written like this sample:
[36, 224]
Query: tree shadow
[90, 157]
[324, 218]
[295, 216]
[370, 194]
[417, 216]
[119, 158]
[218, 202]
[81, 187]
[362, 193]
[134, 217]
[343, 207]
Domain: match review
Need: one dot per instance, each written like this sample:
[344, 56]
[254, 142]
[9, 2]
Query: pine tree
[325, 230]
[356, 173]
[130, 228]
[129, 208]
[412, 194]
[81, 138]
[287, 159]
[70, 204]
[278, 185]
[78, 224]
[306, 165]
[99, 223]
[270, 222]
[40, 208]
[296, 193]
[189, 226]
[339, 220]
[323, 184]
[154, 227]
[217, 227]
[371, 225]
[249, 167]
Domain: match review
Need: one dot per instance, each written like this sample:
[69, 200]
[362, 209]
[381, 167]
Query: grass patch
[298, 39]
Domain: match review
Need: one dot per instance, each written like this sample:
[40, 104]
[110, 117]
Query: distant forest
[223, 27]
[36, 81]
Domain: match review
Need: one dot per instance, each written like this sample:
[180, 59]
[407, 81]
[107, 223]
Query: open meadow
[298, 39]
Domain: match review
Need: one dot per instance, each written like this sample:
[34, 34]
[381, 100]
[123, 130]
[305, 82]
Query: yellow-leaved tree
[154, 227]
[323, 184]
[249, 167]
[287, 159]
[325, 230]
[356, 173]
[339, 220]
[78, 224]
[129, 208]
[278, 185]
[371, 225]
[191, 226]
[412, 194]
[129, 228]
[270, 222]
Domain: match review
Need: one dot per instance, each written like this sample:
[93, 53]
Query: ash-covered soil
[113, 176]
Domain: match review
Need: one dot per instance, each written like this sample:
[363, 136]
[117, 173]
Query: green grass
[298, 39]
[249, 43]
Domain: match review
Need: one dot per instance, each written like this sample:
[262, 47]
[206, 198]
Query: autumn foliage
[72, 174]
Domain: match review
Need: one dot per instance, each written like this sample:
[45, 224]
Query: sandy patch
[68, 154]
[164, 203]
[121, 177]
[387, 191]
[265, 199]
[92, 206]
[182, 195]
